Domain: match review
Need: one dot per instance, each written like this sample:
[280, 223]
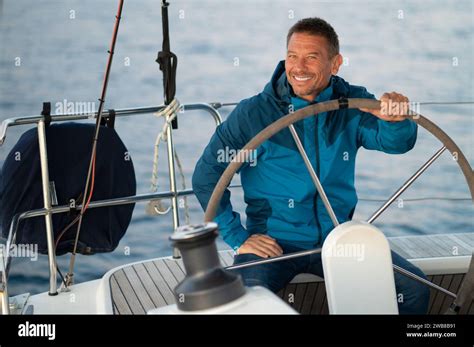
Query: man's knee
[254, 282]
[252, 275]
[243, 258]
[271, 276]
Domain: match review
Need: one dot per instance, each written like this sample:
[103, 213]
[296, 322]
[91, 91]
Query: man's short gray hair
[317, 26]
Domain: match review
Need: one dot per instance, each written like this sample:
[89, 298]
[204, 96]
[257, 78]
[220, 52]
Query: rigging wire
[418, 199]
[89, 186]
[447, 103]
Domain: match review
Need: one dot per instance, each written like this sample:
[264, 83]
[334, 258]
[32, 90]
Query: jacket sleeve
[232, 134]
[389, 137]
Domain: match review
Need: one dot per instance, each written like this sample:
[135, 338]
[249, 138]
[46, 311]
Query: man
[285, 213]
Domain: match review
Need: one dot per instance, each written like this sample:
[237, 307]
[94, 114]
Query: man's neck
[313, 97]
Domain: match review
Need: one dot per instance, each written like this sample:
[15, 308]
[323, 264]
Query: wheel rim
[332, 105]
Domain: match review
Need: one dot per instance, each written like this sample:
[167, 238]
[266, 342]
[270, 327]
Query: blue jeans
[275, 276]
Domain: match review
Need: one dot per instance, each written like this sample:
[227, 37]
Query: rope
[155, 206]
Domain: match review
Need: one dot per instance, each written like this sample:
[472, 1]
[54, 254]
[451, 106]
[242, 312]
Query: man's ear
[336, 64]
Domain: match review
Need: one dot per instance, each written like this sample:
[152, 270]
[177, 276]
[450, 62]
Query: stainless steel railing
[48, 210]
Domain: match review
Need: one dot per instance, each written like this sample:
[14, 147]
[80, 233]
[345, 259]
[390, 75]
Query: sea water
[57, 51]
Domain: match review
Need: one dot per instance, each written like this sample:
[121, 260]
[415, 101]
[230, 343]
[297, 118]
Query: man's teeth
[301, 78]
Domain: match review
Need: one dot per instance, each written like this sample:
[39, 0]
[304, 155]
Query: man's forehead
[309, 51]
[306, 41]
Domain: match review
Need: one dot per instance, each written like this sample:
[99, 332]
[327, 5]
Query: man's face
[308, 64]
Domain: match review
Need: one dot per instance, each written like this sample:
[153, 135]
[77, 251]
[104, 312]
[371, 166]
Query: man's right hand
[262, 245]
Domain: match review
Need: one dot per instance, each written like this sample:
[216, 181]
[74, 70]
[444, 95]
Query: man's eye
[291, 56]
[312, 57]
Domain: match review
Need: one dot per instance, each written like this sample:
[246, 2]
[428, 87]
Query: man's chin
[303, 94]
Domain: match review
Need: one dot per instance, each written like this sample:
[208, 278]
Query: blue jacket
[281, 198]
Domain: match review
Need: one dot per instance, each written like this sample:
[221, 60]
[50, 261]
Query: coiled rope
[155, 206]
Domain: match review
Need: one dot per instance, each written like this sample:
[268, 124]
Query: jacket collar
[325, 95]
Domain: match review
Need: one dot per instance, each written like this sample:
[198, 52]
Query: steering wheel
[332, 105]
[327, 106]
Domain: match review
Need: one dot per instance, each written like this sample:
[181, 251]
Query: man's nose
[300, 64]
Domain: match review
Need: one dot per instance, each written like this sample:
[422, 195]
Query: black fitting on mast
[46, 113]
[168, 62]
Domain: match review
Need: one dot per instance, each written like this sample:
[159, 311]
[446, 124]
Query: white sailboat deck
[137, 288]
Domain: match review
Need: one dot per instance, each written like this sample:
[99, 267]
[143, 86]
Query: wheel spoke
[298, 254]
[274, 259]
[406, 184]
[314, 177]
[422, 280]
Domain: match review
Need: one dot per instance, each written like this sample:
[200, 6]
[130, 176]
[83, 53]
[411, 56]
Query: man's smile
[301, 78]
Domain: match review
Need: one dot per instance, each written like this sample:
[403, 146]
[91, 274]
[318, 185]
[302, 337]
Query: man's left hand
[393, 107]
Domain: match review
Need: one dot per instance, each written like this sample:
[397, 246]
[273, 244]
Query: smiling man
[284, 212]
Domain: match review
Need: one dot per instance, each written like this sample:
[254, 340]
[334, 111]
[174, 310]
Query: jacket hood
[278, 88]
